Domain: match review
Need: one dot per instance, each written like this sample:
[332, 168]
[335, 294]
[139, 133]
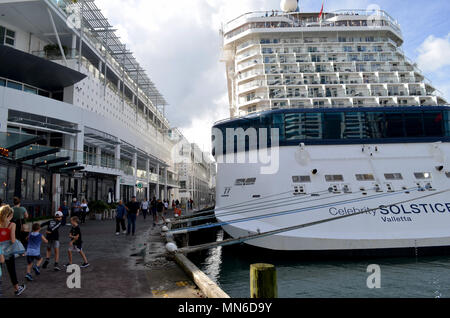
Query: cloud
[434, 53]
[179, 44]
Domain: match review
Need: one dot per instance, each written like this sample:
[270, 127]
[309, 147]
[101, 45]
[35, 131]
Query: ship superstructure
[350, 58]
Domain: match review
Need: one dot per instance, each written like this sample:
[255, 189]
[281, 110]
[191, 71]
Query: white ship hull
[419, 222]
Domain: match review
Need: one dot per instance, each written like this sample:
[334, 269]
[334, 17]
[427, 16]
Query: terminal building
[196, 171]
[79, 116]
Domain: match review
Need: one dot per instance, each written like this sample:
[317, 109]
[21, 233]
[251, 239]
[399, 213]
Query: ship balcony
[247, 55]
[358, 92]
[249, 64]
[365, 102]
[389, 80]
[253, 85]
[379, 92]
[241, 76]
[252, 99]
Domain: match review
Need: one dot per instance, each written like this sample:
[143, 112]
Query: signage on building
[4, 152]
[140, 185]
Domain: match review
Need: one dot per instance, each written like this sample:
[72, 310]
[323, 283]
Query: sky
[179, 45]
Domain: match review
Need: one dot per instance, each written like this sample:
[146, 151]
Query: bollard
[263, 281]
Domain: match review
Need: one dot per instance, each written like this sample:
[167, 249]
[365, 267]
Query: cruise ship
[330, 123]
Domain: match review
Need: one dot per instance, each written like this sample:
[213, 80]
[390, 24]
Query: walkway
[116, 269]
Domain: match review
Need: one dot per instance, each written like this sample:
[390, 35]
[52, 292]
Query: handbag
[13, 249]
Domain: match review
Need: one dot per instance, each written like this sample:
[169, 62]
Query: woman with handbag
[10, 246]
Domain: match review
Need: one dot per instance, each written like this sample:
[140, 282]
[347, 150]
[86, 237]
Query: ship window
[433, 124]
[245, 182]
[365, 177]
[301, 179]
[422, 175]
[334, 178]
[393, 176]
[394, 125]
[413, 124]
[14, 85]
[250, 181]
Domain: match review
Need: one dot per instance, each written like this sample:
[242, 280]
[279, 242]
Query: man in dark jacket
[120, 218]
[133, 208]
[52, 236]
[160, 209]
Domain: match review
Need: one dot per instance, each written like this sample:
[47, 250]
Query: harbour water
[424, 277]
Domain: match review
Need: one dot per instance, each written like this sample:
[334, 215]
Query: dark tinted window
[333, 126]
[394, 125]
[358, 126]
[433, 122]
[414, 124]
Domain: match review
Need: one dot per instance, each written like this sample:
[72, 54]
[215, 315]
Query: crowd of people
[130, 211]
[16, 241]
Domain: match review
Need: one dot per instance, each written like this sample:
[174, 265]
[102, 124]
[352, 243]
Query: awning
[10, 142]
[21, 148]
[36, 71]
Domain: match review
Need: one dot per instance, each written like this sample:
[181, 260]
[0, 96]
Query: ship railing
[280, 19]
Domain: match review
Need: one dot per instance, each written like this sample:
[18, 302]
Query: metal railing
[290, 20]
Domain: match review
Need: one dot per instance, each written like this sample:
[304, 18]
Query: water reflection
[229, 266]
[212, 264]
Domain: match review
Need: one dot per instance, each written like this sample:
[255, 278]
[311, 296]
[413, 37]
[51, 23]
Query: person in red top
[8, 233]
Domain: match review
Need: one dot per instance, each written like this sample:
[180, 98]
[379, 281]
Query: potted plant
[98, 208]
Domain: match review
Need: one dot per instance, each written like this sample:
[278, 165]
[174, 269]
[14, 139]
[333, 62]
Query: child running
[76, 243]
[34, 251]
[53, 239]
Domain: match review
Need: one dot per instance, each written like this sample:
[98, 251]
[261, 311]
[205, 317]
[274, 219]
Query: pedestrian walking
[84, 211]
[34, 259]
[20, 215]
[166, 205]
[120, 218]
[154, 213]
[177, 204]
[160, 210]
[7, 238]
[75, 208]
[52, 235]
[133, 208]
[144, 208]
[76, 242]
[64, 209]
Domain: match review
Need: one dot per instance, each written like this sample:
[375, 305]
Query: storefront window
[3, 182]
[11, 183]
[29, 185]
[44, 188]
[36, 186]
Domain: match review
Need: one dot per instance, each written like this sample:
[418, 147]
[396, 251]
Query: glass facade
[31, 185]
[349, 126]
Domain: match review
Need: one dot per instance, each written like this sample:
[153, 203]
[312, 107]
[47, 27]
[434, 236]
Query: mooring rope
[233, 241]
[287, 212]
[294, 200]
